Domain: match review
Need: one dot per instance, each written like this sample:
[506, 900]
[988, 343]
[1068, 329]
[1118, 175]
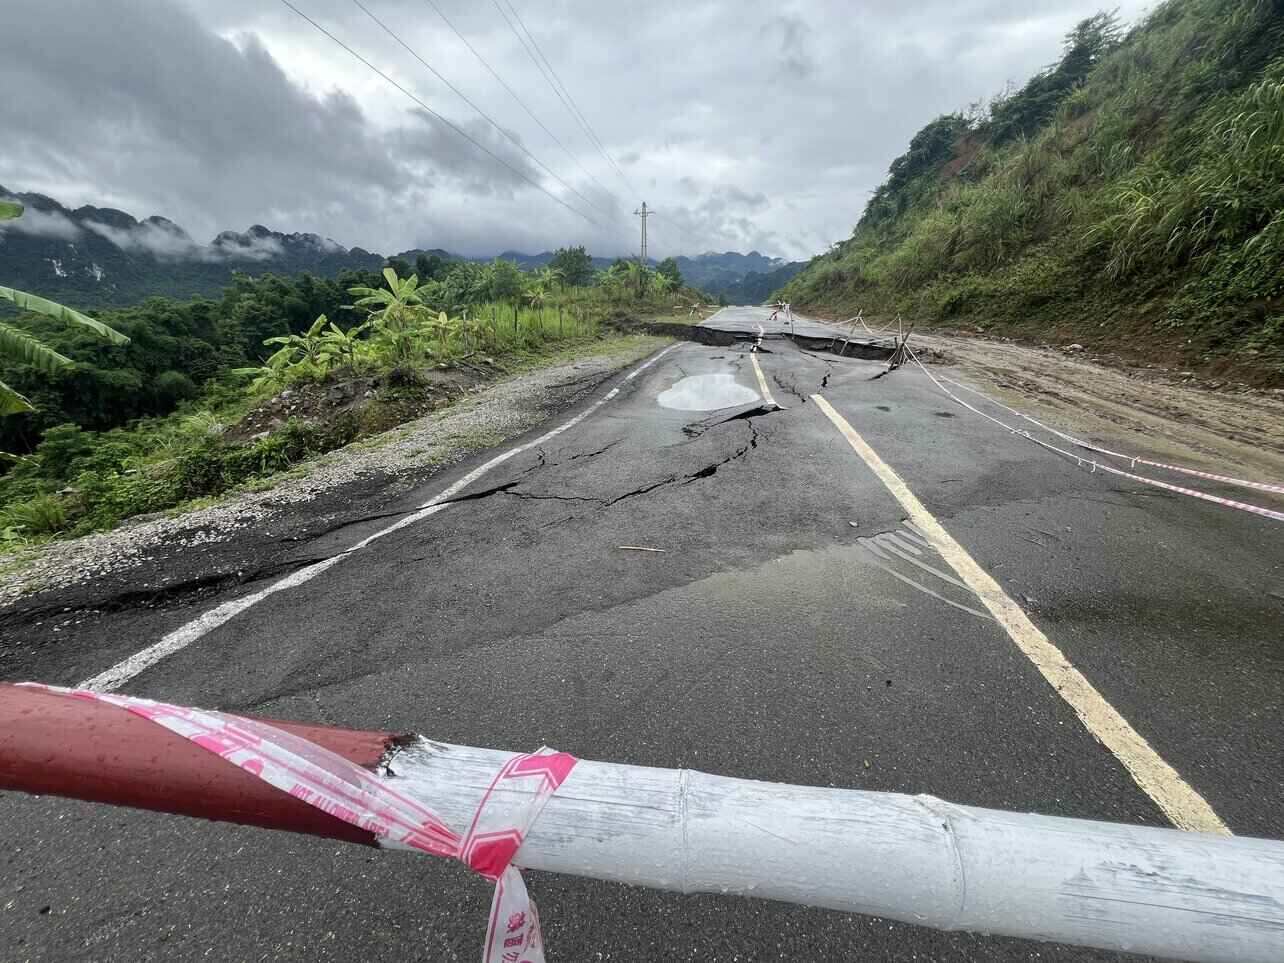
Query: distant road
[795, 626]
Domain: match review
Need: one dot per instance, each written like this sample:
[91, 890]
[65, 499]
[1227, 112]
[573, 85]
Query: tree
[575, 265]
[668, 268]
[1022, 113]
[550, 277]
[506, 280]
[431, 267]
[928, 150]
[398, 265]
[638, 276]
[465, 283]
[17, 345]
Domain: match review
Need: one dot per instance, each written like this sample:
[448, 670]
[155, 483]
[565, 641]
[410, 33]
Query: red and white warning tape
[1135, 460]
[329, 782]
[918, 859]
[1099, 466]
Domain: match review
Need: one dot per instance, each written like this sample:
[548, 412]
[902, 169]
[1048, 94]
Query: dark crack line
[706, 472]
[540, 496]
[218, 582]
[541, 463]
[790, 388]
[164, 594]
[339, 526]
[592, 454]
[698, 428]
[641, 491]
[222, 581]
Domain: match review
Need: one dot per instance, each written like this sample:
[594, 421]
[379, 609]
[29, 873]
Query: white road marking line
[1160, 781]
[185, 635]
[762, 381]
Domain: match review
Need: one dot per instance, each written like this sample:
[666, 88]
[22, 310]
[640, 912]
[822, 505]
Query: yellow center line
[1161, 782]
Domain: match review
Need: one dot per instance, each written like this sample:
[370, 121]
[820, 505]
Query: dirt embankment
[1214, 425]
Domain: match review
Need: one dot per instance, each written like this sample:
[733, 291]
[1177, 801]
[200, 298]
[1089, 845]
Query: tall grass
[502, 327]
[1153, 191]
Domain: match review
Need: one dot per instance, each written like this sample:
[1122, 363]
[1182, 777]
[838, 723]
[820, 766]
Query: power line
[458, 130]
[574, 106]
[575, 160]
[513, 140]
[530, 49]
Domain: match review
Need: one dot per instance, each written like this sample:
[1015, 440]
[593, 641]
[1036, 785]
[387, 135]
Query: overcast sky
[745, 124]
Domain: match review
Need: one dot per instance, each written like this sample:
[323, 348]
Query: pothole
[707, 392]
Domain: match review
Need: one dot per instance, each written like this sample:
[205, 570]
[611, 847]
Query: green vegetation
[1131, 196]
[17, 345]
[209, 395]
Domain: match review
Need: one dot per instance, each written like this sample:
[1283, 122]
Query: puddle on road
[707, 393]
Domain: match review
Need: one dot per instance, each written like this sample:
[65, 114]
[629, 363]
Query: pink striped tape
[343, 789]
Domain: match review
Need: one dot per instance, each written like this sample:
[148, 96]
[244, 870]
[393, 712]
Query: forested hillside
[1130, 196]
[98, 257]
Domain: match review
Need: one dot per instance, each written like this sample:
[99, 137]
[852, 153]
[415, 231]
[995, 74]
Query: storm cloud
[744, 124]
[40, 223]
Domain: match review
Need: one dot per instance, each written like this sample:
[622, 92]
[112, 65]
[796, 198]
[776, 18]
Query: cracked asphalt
[793, 627]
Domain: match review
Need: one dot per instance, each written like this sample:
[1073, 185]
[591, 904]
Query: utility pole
[643, 213]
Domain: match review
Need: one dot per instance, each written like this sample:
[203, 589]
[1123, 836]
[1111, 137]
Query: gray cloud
[790, 35]
[150, 238]
[429, 141]
[245, 248]
[40, 223]
[746, 123]
[165, 240]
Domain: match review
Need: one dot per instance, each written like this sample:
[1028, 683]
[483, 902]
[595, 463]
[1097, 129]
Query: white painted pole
[913, 858]
[1138, 889]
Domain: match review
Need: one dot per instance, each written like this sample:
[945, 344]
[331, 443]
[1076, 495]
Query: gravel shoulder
[235, 537]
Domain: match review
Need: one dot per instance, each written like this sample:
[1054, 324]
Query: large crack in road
[207, 585]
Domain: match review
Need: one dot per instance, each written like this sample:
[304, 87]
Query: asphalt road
[793, 628]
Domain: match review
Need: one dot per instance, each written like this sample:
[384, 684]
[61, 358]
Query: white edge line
[185, 635]
[1161, 782]
[762, 381]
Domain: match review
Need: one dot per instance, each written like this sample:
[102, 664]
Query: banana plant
[306, 348]
[270, 374]
[18, 346]
[397, 314]
[536, 294]
[339, 347]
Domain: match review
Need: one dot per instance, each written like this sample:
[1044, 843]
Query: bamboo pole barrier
[918, 859]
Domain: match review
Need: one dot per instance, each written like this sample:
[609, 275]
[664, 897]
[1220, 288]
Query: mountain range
[95, 257]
